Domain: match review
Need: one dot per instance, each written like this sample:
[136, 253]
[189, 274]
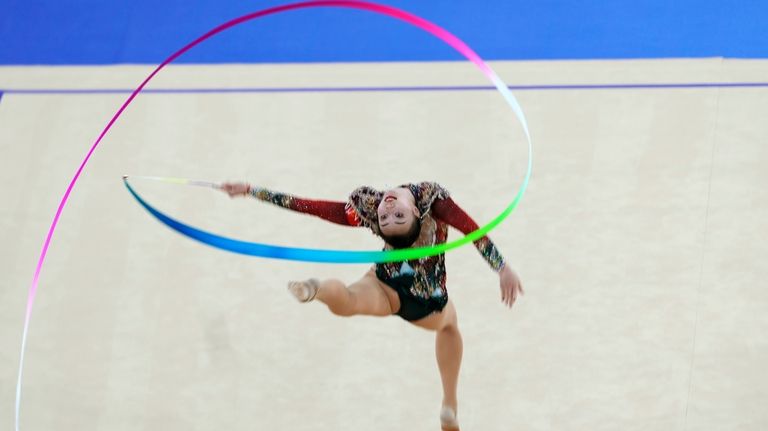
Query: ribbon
[272, 251]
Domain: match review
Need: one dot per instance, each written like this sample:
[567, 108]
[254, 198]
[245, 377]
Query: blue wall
[147, 31]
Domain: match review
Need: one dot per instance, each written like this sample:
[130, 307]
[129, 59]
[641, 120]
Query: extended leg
[368, 296]
[449, 348]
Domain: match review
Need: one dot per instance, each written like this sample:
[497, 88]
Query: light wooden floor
[641, 242]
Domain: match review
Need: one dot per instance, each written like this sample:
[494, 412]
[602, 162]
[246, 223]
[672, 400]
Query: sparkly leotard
[421, 282]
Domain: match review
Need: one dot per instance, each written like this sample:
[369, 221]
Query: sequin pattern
[280, 199]
[429, 274]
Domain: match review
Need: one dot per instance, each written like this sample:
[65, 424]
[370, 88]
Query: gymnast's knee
[451, 322]
[450, 327]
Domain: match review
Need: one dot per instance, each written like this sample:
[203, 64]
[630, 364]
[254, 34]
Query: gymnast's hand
[235, 189]
[511, 286]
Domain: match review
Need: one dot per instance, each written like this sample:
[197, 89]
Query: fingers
[510, 292]
[234, 189]
[508, 296]
[227, 188]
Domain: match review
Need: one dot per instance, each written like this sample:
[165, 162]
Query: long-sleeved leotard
[328, 210]
[437, 211]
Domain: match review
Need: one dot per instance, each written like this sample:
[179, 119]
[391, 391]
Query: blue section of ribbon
[258, 249]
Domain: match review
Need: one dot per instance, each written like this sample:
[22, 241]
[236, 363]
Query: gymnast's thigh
[373, 297]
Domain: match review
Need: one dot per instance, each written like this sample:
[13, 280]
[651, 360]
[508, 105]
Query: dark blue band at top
[144, 31]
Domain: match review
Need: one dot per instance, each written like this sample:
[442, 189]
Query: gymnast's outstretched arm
[332, 211]
[447, 211]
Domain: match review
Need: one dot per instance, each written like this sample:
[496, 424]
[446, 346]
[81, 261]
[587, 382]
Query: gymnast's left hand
[511, 287]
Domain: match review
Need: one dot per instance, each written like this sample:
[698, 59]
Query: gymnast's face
[397, 212]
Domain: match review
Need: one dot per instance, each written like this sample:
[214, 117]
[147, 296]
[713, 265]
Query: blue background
[146, 32]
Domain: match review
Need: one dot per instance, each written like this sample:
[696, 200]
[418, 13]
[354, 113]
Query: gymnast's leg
[368, 296]
[448, 349]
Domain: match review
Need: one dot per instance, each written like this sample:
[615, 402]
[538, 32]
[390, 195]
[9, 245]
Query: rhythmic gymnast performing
[411, 215]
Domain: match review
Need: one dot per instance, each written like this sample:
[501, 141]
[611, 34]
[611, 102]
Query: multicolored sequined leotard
[426, 276]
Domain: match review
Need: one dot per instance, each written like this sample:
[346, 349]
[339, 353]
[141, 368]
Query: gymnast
[411, 215]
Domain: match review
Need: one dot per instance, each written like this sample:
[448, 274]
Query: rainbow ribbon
[272, 251]
[293, 253]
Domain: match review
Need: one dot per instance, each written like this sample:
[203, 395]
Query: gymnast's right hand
[236, 189]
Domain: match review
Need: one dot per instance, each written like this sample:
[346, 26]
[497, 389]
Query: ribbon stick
[181, 181]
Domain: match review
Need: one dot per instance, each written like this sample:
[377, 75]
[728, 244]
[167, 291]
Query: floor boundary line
[362, 89]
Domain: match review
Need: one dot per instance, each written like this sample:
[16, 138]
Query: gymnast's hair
[407, 239]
